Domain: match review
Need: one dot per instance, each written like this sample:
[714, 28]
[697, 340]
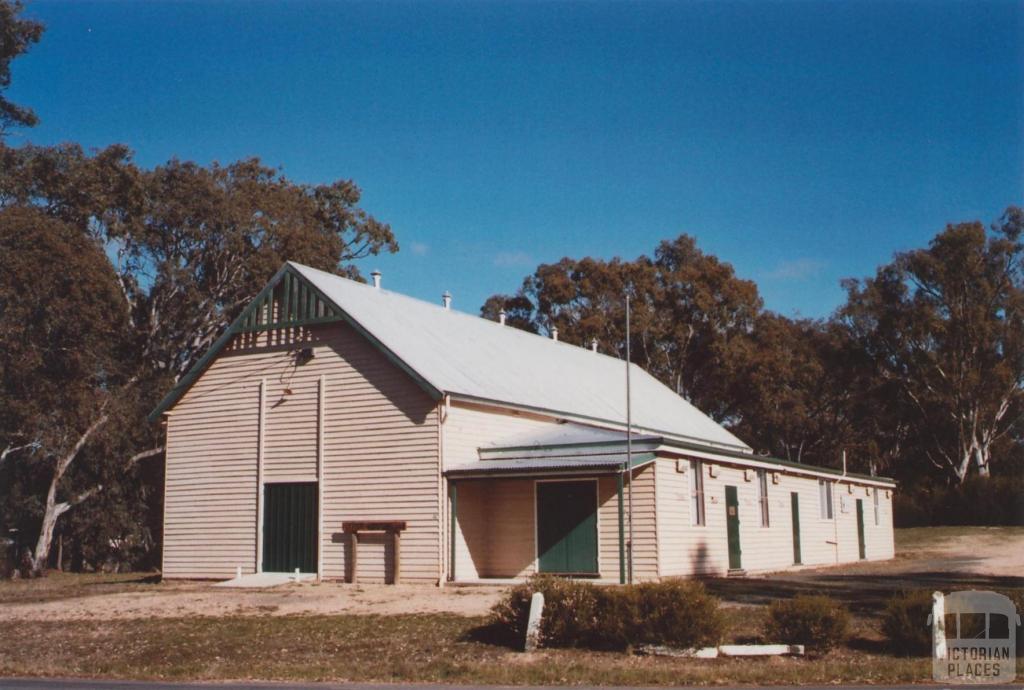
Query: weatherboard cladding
[380, 453]
[688, 549]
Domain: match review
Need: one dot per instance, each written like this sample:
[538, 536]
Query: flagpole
[629, 444]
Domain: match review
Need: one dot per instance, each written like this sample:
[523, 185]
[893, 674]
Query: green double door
[289, 527]
[567, 527]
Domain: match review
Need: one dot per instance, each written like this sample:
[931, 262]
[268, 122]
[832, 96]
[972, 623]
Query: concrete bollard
[533, 622]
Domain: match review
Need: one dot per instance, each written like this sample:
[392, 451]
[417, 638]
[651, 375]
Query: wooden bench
[393, 527]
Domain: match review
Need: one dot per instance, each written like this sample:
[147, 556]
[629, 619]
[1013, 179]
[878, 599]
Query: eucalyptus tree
[17, 34]
[690, 314]
[187, 246]
[944, 327]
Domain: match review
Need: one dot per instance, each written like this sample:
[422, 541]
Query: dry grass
[57, 586]
[911, 540]
[434, 648]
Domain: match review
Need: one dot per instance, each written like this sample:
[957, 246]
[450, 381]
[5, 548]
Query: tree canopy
[919, 374]
[689, 315]
[17, 35]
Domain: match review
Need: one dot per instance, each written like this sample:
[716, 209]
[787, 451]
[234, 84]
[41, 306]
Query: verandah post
[622, 535]
[453, 495]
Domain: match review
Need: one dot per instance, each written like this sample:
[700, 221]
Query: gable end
[289, 300]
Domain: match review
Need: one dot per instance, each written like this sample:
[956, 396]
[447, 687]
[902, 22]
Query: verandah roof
[530, 467]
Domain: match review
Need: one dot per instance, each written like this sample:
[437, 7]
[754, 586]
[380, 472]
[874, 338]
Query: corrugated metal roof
[475, 358]
[597, 446]
[548, 435]
[535, 466]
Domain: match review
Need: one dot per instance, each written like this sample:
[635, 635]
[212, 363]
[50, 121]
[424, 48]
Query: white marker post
[938, 626]
[532, 640]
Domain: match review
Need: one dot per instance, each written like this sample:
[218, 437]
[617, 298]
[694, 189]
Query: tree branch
[10, 450]
[66, 461]
[133, 460]
[65, 506]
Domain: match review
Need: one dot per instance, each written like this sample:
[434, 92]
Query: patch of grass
[56, 586]
[925, 538]
[425, 648]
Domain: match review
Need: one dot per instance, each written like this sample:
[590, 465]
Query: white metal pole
[320, 473]
[629, 446]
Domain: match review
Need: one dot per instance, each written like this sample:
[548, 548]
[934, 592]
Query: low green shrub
[677, 613]
[905, 623]
[568, 609]
[817, 622]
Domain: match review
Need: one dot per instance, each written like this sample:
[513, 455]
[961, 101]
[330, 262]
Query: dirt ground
[178, 599]
[942, 558]
[986, 551]
[931, 558]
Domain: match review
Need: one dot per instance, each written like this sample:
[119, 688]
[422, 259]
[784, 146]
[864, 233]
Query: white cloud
[419, 248]
[513, 259]
[797, 269]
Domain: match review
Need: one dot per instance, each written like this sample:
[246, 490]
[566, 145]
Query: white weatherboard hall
[355, 433]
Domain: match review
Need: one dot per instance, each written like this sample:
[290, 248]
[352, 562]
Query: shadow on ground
[864, 594]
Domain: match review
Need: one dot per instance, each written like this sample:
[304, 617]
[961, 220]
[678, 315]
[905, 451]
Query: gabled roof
[478, 359]
[475, 359]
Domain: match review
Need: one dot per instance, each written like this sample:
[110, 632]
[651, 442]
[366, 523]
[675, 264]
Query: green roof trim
[684, 445]
[289, 300]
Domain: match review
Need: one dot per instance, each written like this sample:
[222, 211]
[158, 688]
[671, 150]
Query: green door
[732, 523]
[567, 527]
[794, 502]
[860, 529]
[289, 527]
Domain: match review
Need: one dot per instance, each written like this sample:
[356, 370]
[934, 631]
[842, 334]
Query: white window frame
[825, 508]
[698, 514]
[874, 494]
[762, 497]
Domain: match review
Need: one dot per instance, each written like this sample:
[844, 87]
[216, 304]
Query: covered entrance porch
[512, 518]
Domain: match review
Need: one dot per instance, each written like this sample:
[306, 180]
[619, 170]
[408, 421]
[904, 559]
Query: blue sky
[802, 142]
